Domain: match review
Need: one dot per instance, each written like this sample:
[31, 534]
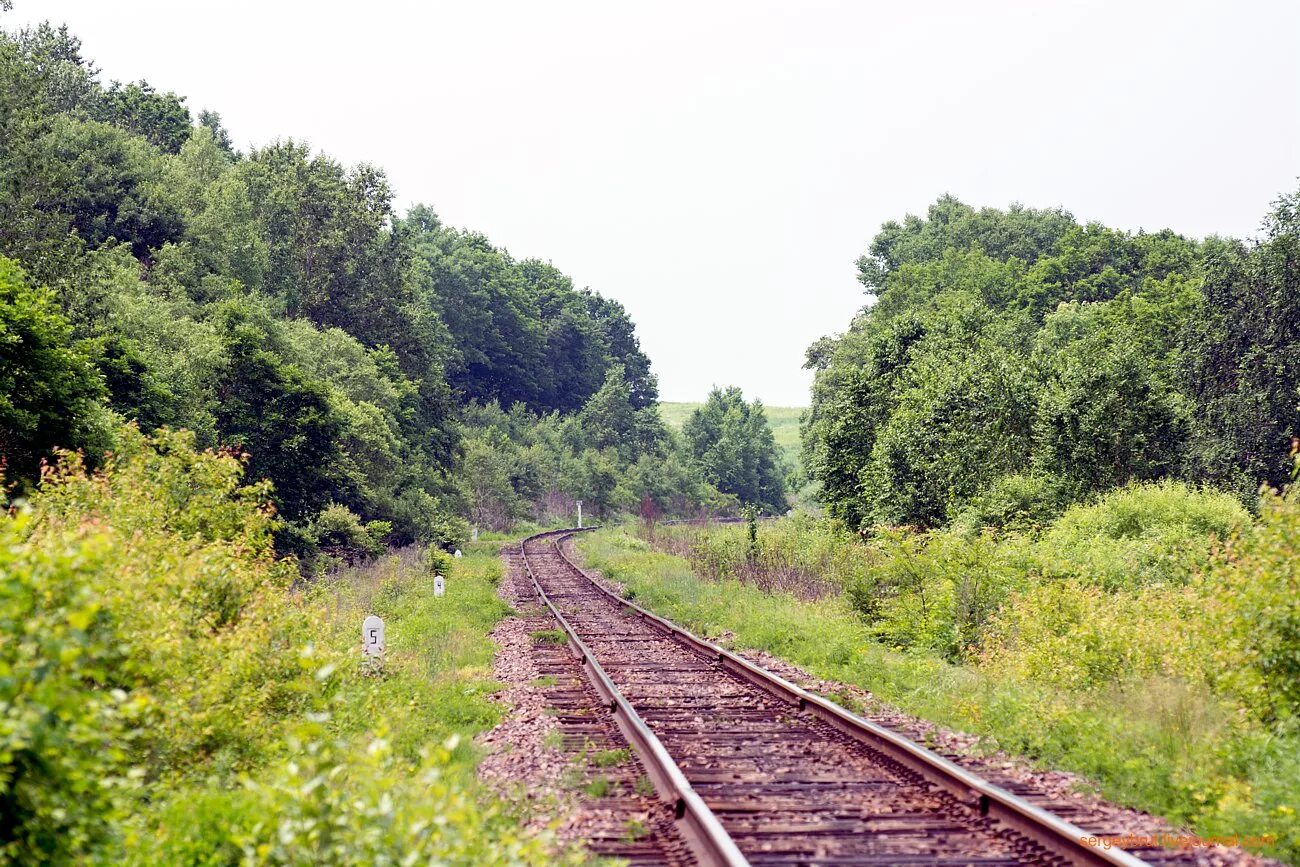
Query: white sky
[717, 167]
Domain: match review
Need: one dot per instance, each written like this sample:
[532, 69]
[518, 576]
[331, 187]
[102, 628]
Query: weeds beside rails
[799, 555]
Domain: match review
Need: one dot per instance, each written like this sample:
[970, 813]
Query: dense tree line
[615, 457]
[1014, 361]
[271, 301]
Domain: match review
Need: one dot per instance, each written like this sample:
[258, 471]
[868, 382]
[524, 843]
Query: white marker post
[372, 637]
[457, 555]
[580, 514]
[439, 585]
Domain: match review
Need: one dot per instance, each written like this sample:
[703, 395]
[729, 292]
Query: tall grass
[800, 555]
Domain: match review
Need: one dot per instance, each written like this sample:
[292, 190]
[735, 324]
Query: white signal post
[372, 637]
[580, 514]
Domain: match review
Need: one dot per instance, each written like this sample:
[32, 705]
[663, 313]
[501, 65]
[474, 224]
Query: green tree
[50, 59]
[961, 418]
[1103, 417]
[624, 347]
[281, 417]
[598, 483]
[485, 481]
[160, 118]
[272, 302]
[732, 444]
[609, 419]
[108, 184]
[49, 389]
[1241, 358]
[477, 291]
[518, 331]
[576, 350]
[211, 121]
[997, 340]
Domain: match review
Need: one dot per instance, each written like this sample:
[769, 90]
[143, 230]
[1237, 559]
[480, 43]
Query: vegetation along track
[761, 771]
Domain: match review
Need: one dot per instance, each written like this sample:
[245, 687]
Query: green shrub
[155, 667]
[437, 561]
[152, 635]
[339, 533]
[934, 591]
[61, 729]
[1077, 636]
[1254, 584]
[799, 554]
[1015, 502]
[338, 805]
[1141, 534]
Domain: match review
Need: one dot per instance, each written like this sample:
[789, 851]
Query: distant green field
[783, 419]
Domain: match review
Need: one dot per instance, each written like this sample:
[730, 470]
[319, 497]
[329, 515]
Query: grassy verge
[438, 666]
[395, 746]
[1158, 744]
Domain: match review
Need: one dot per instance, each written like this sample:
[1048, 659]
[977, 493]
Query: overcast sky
[717, 167]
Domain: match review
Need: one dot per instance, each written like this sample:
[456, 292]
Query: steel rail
[699, 827]
[1048, 830]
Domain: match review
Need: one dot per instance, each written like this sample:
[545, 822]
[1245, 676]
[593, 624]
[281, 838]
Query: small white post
[372, 637]
[580, 514]
[457, 555]
[439, 585]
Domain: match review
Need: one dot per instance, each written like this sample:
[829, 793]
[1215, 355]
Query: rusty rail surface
[1061, 842]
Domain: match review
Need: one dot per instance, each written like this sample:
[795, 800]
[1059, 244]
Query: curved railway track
[760, 771]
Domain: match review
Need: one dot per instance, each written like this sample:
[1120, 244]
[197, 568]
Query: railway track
[585, 728]
[759, 771]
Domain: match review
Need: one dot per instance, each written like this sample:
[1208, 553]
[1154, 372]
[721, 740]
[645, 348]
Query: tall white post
[580, 514]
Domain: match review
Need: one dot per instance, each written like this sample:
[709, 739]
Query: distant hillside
[783, 419]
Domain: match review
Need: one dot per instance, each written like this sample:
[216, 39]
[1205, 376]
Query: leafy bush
[939, 590]
[340, 805]
[1015, 502]
[1075, 614]
[799, 554]
[61, 729]
[341, 534]
[155, 634]
[165, 699]
[1078, 636]
[1140, 534]
[437, 561]
[934, 591]
[1254, 584]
